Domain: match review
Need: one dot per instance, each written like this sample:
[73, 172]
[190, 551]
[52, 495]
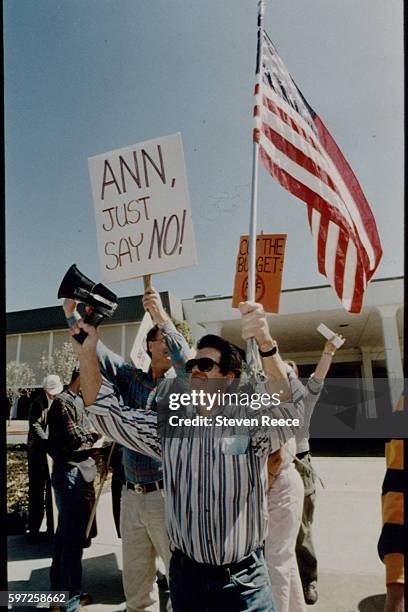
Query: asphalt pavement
[347, 526]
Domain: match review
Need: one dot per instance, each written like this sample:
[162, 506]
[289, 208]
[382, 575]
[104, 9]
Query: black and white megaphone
[100, 301]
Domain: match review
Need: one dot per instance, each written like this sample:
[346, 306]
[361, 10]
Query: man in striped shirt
[215, 483]
[142, 523]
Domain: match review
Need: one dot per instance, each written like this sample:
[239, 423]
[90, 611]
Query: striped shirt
[215, 484]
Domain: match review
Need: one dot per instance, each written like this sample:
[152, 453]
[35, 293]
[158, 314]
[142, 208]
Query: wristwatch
[271, 351]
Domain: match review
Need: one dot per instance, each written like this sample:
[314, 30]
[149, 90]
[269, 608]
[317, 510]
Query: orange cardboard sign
[270, 253]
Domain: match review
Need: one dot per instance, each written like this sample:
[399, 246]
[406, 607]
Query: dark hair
[231, 359]
[74, 375]
[151, 335]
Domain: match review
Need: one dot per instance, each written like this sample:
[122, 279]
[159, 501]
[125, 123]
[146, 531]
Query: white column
[50, 345]
[392, 350]
[368, 382]
[123, 342]
[18, 351]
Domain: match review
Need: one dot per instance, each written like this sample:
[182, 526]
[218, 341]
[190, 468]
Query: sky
[83, 77]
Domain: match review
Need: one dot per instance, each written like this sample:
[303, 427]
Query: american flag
[297, 149]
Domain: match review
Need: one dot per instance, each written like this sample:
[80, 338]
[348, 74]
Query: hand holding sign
[336, 339]
[153, 305]
[332, 345]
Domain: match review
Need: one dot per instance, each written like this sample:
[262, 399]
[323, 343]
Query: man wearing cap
[39, 495]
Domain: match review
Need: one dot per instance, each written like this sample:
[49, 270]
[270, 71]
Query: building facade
[374, 338]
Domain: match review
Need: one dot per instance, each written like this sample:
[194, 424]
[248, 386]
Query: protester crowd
[217, 521]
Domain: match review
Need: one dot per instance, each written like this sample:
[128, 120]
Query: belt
[144, 488]
[226, 570]
[301, 455]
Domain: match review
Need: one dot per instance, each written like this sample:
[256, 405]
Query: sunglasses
[204, 364]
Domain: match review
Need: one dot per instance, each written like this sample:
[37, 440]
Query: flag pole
[252, 352]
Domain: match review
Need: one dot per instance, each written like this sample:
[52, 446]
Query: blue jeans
[235, 588]
[69, 540]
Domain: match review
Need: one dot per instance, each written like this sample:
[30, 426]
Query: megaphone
[100, 301]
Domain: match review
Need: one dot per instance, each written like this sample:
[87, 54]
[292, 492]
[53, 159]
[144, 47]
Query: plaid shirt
[135, 387]
[70, 434]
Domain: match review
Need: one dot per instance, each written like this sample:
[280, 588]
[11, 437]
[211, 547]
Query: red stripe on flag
[354, 187]
[309, 214]
[298, 156]
[303, 192]
[340, 262]
[321, 244]
[313, 198]
[358, 294]
[279, 112]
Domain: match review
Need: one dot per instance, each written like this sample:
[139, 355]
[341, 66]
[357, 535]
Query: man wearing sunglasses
[142, 523]
[215, 483]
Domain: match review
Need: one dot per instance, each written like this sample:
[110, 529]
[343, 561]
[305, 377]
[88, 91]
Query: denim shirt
[135, 386]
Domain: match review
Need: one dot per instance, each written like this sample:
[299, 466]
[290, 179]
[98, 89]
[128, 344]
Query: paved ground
[347, 528]
[16, 431]
[348, 519]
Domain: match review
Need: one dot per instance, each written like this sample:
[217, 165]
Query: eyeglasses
[204, 364]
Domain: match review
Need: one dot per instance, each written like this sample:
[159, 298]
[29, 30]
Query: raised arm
[91, 378]
[326, 358]
[135, 429]
[176, 343]
[315, 383]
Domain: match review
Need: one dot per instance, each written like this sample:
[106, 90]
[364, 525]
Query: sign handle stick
[147, 281]
[102, 482]
[252, 351]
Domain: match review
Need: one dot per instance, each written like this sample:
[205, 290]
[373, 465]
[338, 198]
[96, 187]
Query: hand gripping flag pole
[252, 350]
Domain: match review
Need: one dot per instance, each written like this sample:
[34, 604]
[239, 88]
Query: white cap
[52, 384]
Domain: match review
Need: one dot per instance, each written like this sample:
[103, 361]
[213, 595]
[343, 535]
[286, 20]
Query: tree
[61, 362]
[19, 380]
[184, 328]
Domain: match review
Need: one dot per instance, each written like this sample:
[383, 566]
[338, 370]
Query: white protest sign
[330, 335]
[142, 209]
[138, 353]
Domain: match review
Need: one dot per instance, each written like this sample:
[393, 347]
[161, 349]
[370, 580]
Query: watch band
[269, 353]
